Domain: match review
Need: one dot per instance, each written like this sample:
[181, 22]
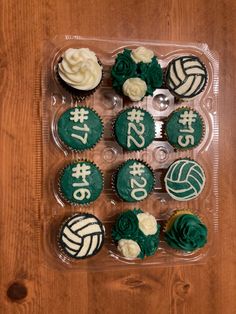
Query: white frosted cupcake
[80, 72]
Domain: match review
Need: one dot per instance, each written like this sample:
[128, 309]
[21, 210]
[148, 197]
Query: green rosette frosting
[186, 233]
[127, 228]
[125, 68]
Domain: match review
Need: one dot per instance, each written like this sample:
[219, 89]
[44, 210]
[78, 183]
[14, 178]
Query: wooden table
[28, 284]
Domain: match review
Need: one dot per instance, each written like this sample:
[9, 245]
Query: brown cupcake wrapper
[113, 128]
[68, 148]
[58, 238]
[76, 94]
[165, 137]
[114, 176]
[60, 173]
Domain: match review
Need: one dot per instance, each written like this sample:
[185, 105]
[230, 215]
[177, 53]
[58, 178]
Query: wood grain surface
[28, 284]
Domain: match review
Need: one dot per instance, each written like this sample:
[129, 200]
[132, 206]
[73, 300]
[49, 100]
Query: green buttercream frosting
[80, 128]
[134, 129]
[127, 227]
[81, 183]
[186, 233]
[184, 180]
[184, 128]
[134, 181]
[125, 68]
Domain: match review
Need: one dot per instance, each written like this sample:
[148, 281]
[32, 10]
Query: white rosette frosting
[147, 223]
[129, 248]
[80, 69]
[135, 88]
[142, 54]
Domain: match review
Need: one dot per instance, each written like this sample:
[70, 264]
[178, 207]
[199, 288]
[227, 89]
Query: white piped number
[135, 116]
[81, 171]
[80, 115]
[138, 187]
[187, 118]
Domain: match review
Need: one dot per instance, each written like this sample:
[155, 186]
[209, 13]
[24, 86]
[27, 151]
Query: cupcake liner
[77, 95]
[171, 90]
[113, 128]
[86, 149]
[61, 172]
[114, 176]
[60, 247]
[165, 137]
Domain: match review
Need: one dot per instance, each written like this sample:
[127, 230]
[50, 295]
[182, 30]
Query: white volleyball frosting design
[186, 77]
[82, 236]
[184, 180]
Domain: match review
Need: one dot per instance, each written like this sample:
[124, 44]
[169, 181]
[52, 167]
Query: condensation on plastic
[108, 155]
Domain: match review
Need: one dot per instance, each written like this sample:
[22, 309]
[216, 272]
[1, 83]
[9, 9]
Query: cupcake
[81, 236]
[79, 128]
[186, 77]
[136, 234]
[184, 128]
[80, 182]
[133, 181]
[184, 231]
[136, 73]
[134, 129]
[184, 180]
[80, 72]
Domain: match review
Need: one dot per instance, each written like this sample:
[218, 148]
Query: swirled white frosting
[129, 248]
[80, 69]
[134, 88]
[147, 223]
[142, 54]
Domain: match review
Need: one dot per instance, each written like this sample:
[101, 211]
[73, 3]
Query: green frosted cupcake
[80, 128]
[184, 231]
[134, 129]
[184, 128]
[184, 180]
[80, 183]
[136, 234]
[133, 181]
[136, 73]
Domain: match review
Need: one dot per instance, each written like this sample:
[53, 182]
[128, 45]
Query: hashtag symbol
[136, 169]
[81, 170]
[79, 115]
[188, 117]
[135, 116]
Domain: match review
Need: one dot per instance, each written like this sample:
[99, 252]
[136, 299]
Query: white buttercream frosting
[142, 54]
[135, 88]
[80, 69]
[129, 248]
[147, 223]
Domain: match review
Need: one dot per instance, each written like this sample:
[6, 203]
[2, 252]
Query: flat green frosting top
[134, 181]
[134, 129]
[184, 180]
[81, 183]
[80, 128]
[127, 227]
[184, 128]
[186, 233]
